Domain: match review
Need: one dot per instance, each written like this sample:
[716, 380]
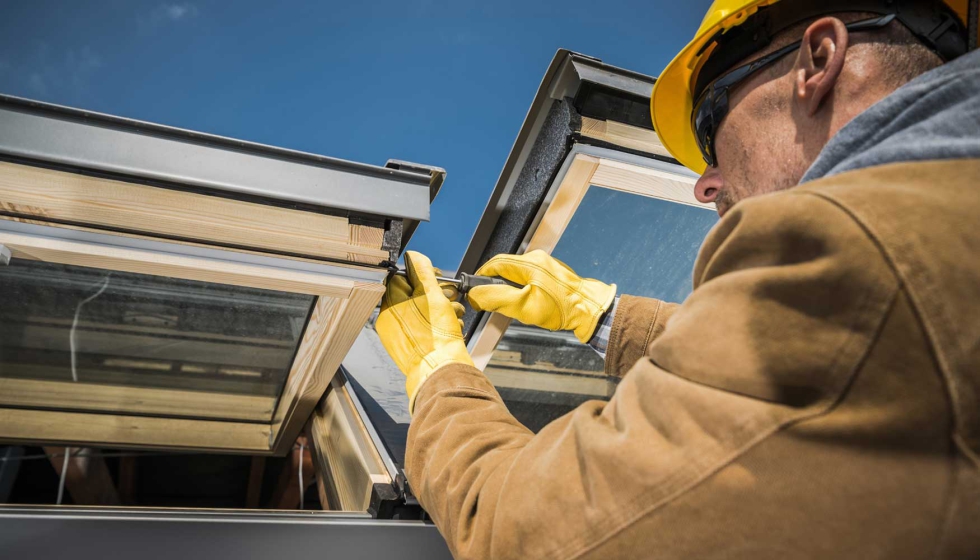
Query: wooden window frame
[584, 172]
[30, 192]
[347, 460]
[344, 303]
[627, 136]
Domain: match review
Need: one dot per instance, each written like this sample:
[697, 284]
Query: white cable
[302, 449]
[74, 324]
[64, 473]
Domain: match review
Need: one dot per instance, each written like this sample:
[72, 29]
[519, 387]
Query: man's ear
[821, 62]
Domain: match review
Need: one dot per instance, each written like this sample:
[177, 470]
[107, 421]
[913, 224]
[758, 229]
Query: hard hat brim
[671, 103]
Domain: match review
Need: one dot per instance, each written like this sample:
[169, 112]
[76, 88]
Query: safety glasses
[712, 105]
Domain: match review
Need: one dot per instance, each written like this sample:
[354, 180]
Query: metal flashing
[595, 71]
[437, 176]
[149, 534]
[87, 140]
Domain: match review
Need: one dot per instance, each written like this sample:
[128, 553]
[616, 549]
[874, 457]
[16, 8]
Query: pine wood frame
[347, 461]
[50, 195]
[583, 172]
[627, 136]
[342, 307]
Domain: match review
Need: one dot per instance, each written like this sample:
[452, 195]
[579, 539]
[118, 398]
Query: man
[818, 394]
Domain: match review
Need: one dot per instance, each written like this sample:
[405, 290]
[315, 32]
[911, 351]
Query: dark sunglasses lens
[704, 128]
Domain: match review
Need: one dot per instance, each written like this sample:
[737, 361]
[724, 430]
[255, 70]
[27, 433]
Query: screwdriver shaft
[443, 279]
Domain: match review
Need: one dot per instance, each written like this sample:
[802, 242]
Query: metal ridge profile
[595, 71]
[150, 534]
[88, 140]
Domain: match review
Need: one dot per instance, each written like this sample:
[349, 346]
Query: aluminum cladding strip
[84, 534]
[618, 78]
[46, 137]
[94, 118]
[187, 514]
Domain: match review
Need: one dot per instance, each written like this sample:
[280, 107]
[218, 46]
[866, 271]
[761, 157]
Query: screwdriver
[465, 282]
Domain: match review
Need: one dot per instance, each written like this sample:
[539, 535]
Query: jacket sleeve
[638, 322]
[789, 291]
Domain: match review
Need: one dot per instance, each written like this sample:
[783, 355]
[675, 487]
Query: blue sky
[439, 83]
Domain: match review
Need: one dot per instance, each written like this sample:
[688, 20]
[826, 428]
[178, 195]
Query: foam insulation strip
[533, 182]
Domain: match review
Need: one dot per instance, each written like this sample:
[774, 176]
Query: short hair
[902, 57]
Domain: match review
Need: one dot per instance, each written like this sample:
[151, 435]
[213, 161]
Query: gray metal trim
[437, 177]
[83, 534]
[71, 137]
[13, 511]
[162, 247]
[592, 70]
[563, 78]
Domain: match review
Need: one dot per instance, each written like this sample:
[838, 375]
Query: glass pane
[647, 247]
[78, 338]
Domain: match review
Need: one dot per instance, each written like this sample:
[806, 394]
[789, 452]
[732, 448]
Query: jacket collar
[934, 117]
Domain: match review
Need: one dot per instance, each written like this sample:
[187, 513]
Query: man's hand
[553, 296]
[419, 326]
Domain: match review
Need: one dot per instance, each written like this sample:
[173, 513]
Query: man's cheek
[730, 153]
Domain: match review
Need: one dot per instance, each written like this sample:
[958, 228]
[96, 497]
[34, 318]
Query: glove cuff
[597, 297]
[453, 353]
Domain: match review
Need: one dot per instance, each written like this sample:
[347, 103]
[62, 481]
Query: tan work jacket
[817, 396]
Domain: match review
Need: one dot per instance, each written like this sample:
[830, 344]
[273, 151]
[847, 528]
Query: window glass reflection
[67, 331]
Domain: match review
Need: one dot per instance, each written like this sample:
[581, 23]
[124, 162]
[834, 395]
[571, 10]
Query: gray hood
[934, 117]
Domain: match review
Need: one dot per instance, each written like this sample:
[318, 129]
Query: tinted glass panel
[647, 247]
[77, 338]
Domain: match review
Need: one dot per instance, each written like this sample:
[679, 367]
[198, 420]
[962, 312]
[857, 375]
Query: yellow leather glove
[553, 296]
[419, 326]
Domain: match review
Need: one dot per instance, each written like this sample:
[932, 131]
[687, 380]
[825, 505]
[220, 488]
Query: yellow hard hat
[671, 103]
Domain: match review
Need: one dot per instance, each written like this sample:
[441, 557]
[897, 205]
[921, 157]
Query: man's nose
[708, 186]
